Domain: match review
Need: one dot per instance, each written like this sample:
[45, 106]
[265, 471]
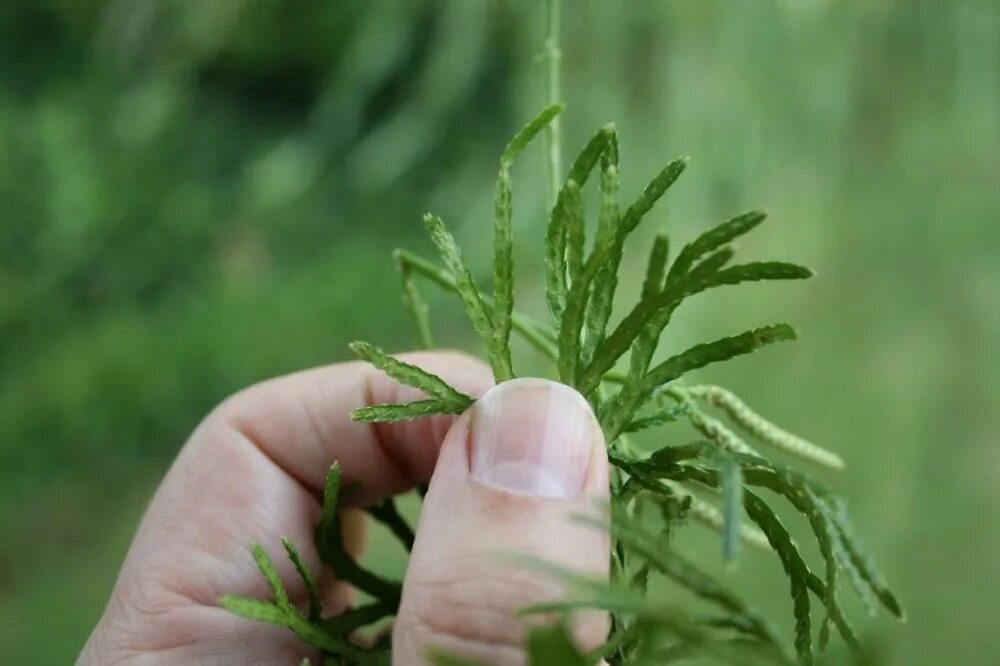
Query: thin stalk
[553, 57]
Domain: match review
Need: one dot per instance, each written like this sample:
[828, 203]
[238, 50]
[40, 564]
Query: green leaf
[711, 517]
[555, 257]
[712, 352]
[686, 574]
[465, 284]
[620, 340]
[711, 263]
[331, 494]
[606, 283]
[606, 257]
[564, 246]
[655, 266]
[315, 605]
[552, 646]
[662, 306]
[270, 574]
[864, 564]
[826, 535]
[529, 131]
[659, 417]
[750, 272]
[652, 193]
[712, 239]
[253, 609]
[414, 302]
[330, 545]
[411, 410]
[575, 231]
[585, 162]
[411, 375]
[806, 498]
[503, 272]
[618, 413]
[538, 335]
[570, 328]
[795, 567]
[611, 153]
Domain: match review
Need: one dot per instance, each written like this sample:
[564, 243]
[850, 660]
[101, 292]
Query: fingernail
[534, 437]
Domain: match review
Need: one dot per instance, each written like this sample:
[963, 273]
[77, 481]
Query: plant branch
[553, 58]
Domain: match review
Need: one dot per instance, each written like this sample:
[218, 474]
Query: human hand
[506, 476]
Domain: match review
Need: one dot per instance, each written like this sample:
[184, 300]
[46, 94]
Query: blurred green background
[199, 195]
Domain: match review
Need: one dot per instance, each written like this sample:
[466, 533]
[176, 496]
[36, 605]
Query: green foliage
[580, 291]
[503, 241]
[315, 606]
[132, 176]
[553, 645]
[281, 612]
[445, 399]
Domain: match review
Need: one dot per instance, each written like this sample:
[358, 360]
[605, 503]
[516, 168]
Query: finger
[510, 478]
[253, 472]
[302, 423]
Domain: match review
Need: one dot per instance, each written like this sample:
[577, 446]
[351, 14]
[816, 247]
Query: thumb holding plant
[511, 475]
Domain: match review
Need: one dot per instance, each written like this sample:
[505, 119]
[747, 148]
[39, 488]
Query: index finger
[302, 423]
[252, 472]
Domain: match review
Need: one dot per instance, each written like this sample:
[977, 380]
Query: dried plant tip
[762, 429]
[718, 433]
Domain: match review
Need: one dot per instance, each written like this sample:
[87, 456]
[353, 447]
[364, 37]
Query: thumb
[510, 476]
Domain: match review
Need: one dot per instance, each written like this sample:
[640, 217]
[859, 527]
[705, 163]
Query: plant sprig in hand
[675, 480]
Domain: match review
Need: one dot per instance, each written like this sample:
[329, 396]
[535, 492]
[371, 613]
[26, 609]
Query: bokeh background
[198, 195]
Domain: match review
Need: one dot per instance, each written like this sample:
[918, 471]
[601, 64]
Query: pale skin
[253, 471]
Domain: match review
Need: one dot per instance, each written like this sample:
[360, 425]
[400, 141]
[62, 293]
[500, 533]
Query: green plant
[652, 494]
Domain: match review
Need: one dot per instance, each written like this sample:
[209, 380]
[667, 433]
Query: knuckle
[470, 608]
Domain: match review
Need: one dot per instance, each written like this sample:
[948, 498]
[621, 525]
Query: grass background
[195, 196]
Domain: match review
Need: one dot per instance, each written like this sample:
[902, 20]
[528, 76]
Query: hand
[506, 476]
